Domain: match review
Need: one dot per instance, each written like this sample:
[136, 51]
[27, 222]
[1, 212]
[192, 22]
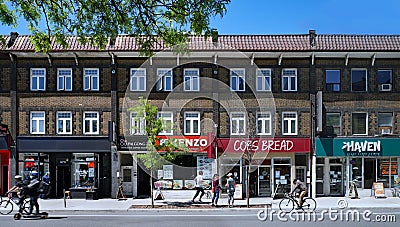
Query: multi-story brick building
[67, 111]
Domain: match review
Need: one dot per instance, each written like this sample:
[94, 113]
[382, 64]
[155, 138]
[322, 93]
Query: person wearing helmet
[300, 188]
[33, 192]
[18, 190]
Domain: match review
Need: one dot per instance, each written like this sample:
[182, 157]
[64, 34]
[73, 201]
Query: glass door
[336, 179]
[264, 181]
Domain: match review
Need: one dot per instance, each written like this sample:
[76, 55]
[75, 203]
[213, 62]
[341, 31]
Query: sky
[298, 16]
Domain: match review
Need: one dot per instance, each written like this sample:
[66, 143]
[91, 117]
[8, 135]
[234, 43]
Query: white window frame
[194, 79]
[289, 120]
[236, 120]
[91, 121]
[167, 122]
[366, 78]
[265, 119]
[263, 74]
[64, 121]
[37, 121]
[91, 78]
[138, 75]
[239, 74]
[64, 80]
[189, 123]
[138, 124]
[366, 124]
[383, 126]
[162, 75]
[289, 78]
[38, 78]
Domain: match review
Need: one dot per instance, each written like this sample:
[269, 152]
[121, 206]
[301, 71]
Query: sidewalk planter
[91, 195]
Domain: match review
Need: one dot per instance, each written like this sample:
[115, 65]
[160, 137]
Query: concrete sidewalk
[185, 197]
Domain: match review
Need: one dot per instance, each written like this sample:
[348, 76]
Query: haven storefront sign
[358, 147]
[265, 144]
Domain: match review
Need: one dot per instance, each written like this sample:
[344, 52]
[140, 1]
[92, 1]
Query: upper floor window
[289, 122]
[167, 118]
[64, 123]
[192, 79]
[333, 120]
[38, 79]
[91, 79]
[237, 79]
[238, 123]
[192, 123]
[359, 123]
[263, 123]
[385, 123]
[289, 80]
[332, 80]
[138, 79]
[138, 124]
[358, 80]
[64, 79]
[164, 80]
[37, 122]
[90, 123]
[385, 80]
[263, 79]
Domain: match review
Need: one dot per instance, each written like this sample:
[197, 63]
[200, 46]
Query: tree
[152, 160]
[94, 22]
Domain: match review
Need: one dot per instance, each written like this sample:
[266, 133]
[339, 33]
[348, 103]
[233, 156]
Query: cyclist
[300, 188]
[20, 190]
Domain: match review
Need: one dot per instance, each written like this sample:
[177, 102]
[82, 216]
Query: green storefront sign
[327, 147]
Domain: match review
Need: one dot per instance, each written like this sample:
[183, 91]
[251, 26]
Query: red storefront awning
[301, 145]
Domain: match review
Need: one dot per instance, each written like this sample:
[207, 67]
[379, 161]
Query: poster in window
[385, 168]
[178, 184]
[168, 172]
[204, 164]
[91, 172]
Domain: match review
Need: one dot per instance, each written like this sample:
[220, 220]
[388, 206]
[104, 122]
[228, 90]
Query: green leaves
[94, 22]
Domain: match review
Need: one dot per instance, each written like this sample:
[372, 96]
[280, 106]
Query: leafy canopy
[94, 21]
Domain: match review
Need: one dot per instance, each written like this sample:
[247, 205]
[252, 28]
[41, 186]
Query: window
[263, 123]
[238, 125]
[138, 79]
[192, 81]
[91, 79]
[238, 80]
[138, 124]
[37, 122]
[289, 80]
[385, 123]
[38, 79]
[192, 123]
[289, 121]
[64, 123]
[358, 80]
[333, 120]
[332, 80]
[263, 79]
[164, 82]
[359, 122]
[64, 81]
[385, 80]
[167, 122]
[91, 123]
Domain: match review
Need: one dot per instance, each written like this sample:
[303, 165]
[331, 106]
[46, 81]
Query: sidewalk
[171, 196]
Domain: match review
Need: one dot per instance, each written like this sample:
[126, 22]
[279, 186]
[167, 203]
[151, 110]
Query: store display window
[84, 168]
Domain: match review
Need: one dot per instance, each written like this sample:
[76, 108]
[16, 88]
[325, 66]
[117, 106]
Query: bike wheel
[309, 204]
[6, 207]
[25, 207]
[286, 205]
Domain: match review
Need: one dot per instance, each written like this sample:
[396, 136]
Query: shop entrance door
[63, 176]
[336, 179]
[127, 179]
[282, 174]
[264, 181]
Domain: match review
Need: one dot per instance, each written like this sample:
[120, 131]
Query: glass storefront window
[84, 169]
[33, 162]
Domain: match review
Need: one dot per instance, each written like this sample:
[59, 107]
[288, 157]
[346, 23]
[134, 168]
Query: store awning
[264, 144]
[63, 144]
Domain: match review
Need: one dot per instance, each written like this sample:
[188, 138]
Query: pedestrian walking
[215, 189]
[199, 186]
[230, 189]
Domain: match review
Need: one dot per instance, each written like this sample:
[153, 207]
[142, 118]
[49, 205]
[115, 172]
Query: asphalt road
[203, 218]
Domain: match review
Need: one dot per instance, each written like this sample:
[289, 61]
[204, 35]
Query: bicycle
[288, 203]
[6, 204]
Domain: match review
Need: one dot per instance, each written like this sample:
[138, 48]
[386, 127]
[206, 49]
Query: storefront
[177, 175]
[362, 160]
[4, 163]
[274, 161]
[75, 164]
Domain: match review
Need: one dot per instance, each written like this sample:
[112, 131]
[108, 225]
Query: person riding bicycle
[19, 190]
[300, 188]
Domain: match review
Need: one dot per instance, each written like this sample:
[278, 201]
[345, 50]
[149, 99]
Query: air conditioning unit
[386, 131]
[385, 87]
